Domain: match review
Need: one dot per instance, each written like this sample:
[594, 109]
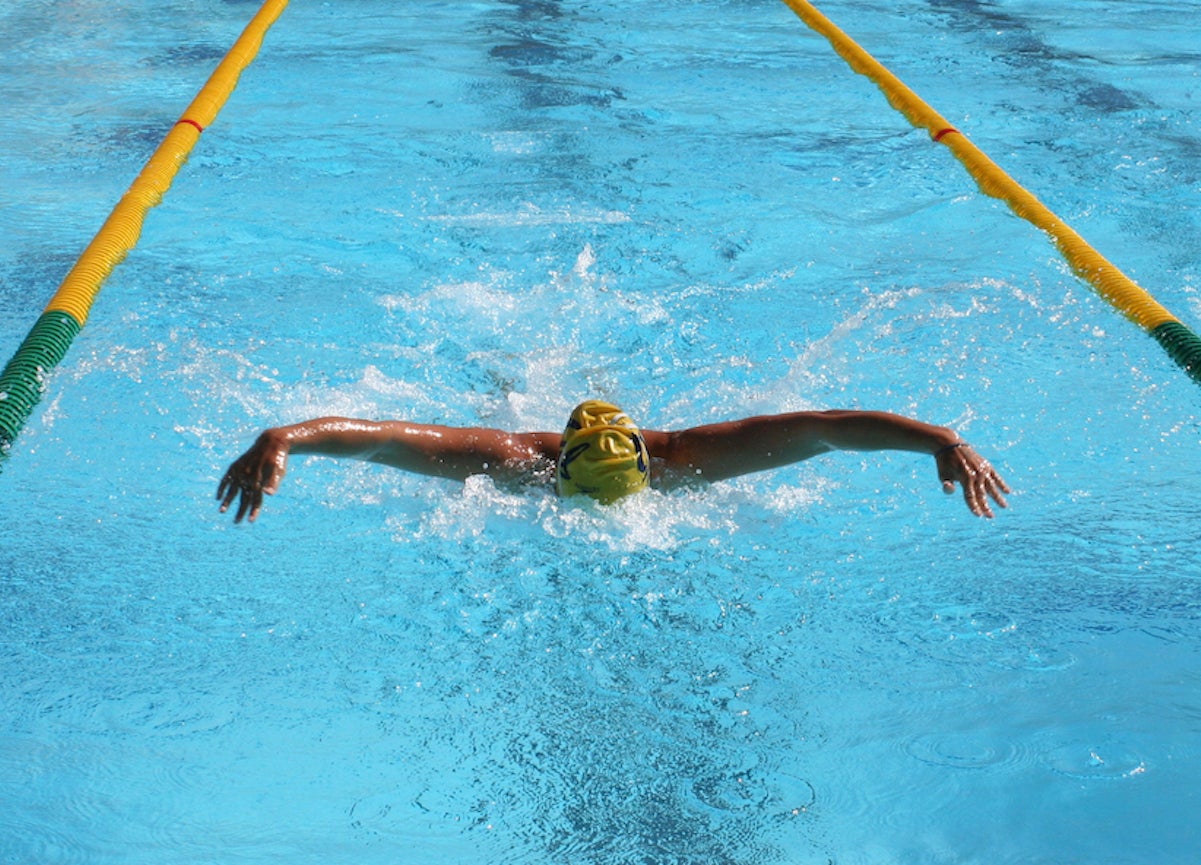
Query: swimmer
[603, 455]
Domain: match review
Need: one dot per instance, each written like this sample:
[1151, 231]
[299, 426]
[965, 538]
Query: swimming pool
[483, 212]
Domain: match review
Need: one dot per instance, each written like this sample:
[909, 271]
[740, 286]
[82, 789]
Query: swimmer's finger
[227, 492]
[996, 486]
[250, 503]
[1000, 483]
[977, 501]
[273, 476]
[226, 484]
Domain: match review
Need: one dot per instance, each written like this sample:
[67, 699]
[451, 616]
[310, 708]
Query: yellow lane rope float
[23, 378]
[1125, 295]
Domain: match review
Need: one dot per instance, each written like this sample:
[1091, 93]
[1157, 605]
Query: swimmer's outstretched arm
[441, 451]
[724, 450]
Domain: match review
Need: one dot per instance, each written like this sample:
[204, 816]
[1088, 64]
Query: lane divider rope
[24, 377]
[1181, 343]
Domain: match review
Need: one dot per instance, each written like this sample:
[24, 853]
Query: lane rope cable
[24, 377]
[1181, 343]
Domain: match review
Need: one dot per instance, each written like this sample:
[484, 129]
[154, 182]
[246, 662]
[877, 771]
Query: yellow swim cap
[602, 454]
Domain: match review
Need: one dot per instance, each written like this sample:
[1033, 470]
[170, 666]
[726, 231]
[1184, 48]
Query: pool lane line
[24, 377]
[1181, 343]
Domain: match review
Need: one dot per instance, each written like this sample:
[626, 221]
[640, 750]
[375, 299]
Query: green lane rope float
[23, 379]
[1181, 344]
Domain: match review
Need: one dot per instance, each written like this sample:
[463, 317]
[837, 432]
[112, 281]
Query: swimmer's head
[602, 454]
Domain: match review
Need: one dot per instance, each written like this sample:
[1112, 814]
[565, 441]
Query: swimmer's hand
[980, 481]
[260, 470]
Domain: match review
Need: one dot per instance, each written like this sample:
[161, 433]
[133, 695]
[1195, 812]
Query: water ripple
[965, 750]
[1112, 761]
[967, 634]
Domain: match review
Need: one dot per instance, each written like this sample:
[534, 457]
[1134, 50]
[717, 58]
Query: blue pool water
[482, 213]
